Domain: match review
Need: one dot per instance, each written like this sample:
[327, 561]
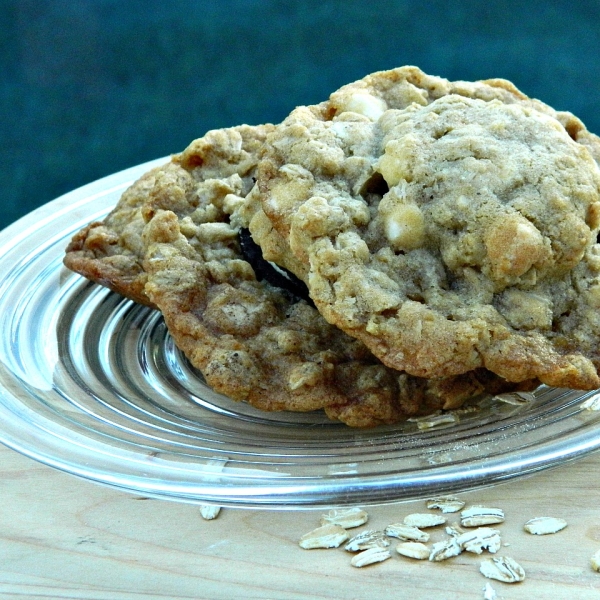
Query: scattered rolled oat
[214, 466]
[326, 536]
[436, 421]
[480, 539]
[424, 520]
[592, 404]
[595, 561]
[209, 511]
[347, 518]
[367, 539]
[502, 568]
[445, 549]
[415, 550]
[516, 398]
[407, 533]
[489, 593]
[454, 530]
[447, 504]
[544, 525]
[476, 516]
[217, 463]
[370, 556]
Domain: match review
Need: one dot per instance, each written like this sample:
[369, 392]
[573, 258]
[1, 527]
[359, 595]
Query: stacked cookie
[401, 248]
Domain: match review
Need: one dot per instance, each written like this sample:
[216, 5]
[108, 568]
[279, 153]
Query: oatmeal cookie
[449, 226]
[253, 341]
[220, 163]
[261, 344]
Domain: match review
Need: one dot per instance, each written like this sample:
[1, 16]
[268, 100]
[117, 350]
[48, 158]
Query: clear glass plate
[92, 384]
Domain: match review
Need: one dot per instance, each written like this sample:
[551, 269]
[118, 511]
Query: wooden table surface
[61, 537]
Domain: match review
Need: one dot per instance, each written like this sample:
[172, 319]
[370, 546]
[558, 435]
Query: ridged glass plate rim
[114, 402]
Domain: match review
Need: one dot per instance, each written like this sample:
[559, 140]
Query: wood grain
[61, 537]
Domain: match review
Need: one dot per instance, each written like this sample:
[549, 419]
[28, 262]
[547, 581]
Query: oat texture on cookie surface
[448, 225]
[259, 343]
[110, 252]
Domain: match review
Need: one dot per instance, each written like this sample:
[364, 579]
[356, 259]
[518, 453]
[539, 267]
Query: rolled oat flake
[502, 568]
[544, 525]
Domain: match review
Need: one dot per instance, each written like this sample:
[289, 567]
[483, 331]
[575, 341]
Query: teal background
[88, 88]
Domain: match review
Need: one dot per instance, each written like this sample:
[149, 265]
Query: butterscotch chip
[447, 225]
[213, 169]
